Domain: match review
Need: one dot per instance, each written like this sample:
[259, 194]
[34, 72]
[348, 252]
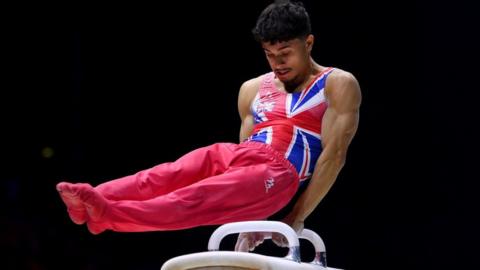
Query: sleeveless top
[291, 122]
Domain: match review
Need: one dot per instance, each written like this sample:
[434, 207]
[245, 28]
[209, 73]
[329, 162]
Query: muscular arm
[247, 93]
[248, 90]
[339, 125]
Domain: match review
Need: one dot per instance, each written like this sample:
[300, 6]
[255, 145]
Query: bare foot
[84, 204]
[75, 208]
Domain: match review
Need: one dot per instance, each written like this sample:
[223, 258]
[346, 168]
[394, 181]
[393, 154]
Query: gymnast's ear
[309, 40]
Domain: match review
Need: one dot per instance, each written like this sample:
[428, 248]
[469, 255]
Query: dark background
[93, 94]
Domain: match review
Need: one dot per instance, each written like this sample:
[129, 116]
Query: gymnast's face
[289, 60]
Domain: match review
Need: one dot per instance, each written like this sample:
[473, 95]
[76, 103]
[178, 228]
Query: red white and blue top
[291, 123]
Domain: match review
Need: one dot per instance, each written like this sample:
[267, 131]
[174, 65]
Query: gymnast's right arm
[247, 93]
[248, 90]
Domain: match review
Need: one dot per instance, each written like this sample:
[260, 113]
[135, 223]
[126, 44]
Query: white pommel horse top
[232, 260]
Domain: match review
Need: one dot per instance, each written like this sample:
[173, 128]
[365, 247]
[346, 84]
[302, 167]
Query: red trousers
[213, 185]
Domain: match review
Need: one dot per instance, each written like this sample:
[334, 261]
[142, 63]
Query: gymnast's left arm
[339, 125]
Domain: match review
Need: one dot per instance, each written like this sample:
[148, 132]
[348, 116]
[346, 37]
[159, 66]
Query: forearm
[322, 180]
[246, 128]
[244, 133]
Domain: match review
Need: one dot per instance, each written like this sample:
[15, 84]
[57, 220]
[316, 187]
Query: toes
[62, 186]
[84, 204]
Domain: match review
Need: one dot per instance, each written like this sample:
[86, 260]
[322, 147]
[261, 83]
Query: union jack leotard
[291, 122]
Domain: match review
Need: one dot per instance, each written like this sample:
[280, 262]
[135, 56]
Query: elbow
[338, 158]
[340, 162]
[335, 155]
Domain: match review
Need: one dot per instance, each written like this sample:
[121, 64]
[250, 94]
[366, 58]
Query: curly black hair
[282, 21]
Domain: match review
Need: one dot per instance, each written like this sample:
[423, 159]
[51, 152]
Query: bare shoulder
[250, 88]
[342, 84]
[343, 87]
[247, 93]
[342, 80]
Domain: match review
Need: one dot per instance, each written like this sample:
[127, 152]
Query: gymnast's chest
[269, 104]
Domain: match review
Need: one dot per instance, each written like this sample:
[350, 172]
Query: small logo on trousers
[269, 184]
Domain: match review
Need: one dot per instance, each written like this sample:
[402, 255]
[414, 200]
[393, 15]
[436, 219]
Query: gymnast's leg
[241, 193]
[147, 184]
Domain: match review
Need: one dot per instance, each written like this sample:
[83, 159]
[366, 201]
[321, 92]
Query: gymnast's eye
[286, 53]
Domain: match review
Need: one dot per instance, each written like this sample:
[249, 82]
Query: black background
[114, 90]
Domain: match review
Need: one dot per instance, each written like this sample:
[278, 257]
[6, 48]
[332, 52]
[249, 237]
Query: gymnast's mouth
[282, 72]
